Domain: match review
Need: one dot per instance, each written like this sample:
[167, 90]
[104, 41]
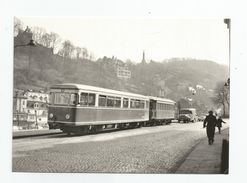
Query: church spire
[143, 57]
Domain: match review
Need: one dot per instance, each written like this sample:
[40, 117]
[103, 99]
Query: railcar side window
[117, 102]
[137, 104]
[132, 103]
[84, 99]
[125, 103]
[142, 104]
[110, 102]
[102, 101]
[91, 99]
[87, 99]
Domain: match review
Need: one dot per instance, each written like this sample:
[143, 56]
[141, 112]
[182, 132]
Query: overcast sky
[126, 38]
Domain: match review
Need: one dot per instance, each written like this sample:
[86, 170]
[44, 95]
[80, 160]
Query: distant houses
[30, 109]
[122, 70]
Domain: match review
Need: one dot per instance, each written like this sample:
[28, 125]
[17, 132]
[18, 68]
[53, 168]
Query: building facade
[30, 109]
[122, 70]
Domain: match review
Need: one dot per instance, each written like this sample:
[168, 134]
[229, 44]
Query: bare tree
[18, 26]
[38, 34]
[91, 56]
[67, 49]
[46, 40]
[222, 96]
[84, 53]
[55, 41]
[78, 52]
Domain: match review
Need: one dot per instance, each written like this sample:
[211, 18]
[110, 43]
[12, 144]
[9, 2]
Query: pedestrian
[210, 122]
[219, 123]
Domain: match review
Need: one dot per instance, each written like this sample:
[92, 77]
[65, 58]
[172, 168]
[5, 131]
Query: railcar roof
[162, 99]
[94, 88]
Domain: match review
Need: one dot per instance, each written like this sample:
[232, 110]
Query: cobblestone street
[146, 150]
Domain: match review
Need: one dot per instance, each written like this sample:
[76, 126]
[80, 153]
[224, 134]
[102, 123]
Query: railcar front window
[73, 99]
[64, 98]
[61, 98]
[142, 104]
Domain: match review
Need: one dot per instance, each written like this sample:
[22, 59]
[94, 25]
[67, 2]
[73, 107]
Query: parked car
[187, 115]
[201, 118]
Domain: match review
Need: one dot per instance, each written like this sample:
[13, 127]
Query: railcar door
[152, 109]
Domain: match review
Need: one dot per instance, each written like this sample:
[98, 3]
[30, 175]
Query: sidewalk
[205, 159]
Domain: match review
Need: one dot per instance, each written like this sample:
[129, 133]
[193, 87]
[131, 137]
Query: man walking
[219, 124]
[210, 122]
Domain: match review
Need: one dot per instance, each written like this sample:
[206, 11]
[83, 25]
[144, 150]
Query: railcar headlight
[51, 115]
[67, 116]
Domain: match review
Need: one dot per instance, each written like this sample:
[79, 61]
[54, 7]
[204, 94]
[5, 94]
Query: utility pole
[227, 21]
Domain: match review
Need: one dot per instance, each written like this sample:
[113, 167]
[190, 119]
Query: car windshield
[185, 112]
[63, 98]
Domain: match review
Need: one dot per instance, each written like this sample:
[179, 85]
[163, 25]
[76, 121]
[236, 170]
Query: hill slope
[38, 68]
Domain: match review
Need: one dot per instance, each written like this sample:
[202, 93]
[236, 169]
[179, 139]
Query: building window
[36, 105]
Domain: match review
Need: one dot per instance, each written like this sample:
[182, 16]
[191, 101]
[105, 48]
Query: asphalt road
[158, 149]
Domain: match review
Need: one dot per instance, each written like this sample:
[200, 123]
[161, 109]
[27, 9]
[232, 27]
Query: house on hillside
[122, 70]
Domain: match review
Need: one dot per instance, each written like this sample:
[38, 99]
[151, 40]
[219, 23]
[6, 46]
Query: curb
[34, 133]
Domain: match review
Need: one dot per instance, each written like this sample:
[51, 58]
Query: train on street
[80, 109]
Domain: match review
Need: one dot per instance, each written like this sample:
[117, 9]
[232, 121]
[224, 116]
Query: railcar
[161, 111]
[82, 108]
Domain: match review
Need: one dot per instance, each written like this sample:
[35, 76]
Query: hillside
[36, 67]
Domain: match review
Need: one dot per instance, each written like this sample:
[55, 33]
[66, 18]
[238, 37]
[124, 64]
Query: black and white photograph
[121, 95]
[113, 91]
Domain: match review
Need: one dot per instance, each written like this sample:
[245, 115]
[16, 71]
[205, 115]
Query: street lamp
[227, 21]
